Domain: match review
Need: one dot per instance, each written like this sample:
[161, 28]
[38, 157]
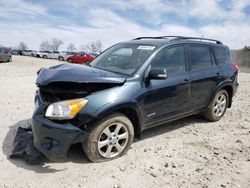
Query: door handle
[186, 82]
[218, 75]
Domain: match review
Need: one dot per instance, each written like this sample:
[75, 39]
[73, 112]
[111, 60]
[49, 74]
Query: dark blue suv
[130, 87]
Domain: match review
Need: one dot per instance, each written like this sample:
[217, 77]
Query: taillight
[234, 65]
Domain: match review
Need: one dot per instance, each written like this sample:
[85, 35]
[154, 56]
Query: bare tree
[56, 43]
[71, 47]
[53, 44]
[22, 46]
[94, 47]
[45, 45]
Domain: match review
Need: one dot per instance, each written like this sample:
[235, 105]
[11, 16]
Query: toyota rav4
[128, 88]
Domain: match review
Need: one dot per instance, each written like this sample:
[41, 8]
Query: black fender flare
[119, 106]
[221, 86]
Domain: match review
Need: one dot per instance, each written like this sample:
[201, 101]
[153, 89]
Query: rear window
[221, 54]
[200, 57]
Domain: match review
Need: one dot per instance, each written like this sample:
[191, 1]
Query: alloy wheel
[113, 140]
[220, 105]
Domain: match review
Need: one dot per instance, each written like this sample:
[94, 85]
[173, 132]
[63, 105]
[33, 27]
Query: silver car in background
[48, 54]
[27, 52]
[53, 54]
[43, 54]
[5, 56]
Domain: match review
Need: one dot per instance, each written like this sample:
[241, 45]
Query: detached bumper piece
[54, 139]
[23, 147]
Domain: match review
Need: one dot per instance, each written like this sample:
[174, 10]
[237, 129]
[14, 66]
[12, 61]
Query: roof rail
[139, 38]
[180, 38]
[197, 38]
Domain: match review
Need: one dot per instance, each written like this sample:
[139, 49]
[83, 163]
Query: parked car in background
[65, 55]
[53, 55]
[81, 58]
[5, 56]
[43, 54]
[27, 52]
[16, 52]
[33, 53]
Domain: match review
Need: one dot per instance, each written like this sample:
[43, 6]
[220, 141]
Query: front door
[166, 99]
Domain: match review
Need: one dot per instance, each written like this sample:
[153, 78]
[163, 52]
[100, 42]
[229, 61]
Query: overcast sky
[112, 21]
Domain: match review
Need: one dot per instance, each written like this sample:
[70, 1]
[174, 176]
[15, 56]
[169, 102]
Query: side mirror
[158, 74]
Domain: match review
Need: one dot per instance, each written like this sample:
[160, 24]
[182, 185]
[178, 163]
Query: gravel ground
[187, 153]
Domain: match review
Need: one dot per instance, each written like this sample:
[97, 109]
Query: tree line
[55, 43]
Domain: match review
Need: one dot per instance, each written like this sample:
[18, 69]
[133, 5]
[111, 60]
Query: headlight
[65, 109]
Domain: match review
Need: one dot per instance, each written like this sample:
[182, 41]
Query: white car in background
[53, 54]
[64, 55]
[48, 54]
[43, 54]
[27, 52]
[33, 54]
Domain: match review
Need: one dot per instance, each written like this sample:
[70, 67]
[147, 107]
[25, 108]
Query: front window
[123, 58]
[172, 59]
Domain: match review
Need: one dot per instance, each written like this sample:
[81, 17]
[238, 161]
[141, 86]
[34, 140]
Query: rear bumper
[54, 139]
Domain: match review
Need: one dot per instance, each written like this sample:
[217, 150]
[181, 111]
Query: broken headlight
[65, 109]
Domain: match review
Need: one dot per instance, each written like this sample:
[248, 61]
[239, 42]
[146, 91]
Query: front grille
[50, 96]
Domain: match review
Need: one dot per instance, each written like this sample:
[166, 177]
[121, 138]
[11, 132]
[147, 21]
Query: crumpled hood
[76, 74]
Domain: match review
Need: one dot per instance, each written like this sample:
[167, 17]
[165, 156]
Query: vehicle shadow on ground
[75, 154]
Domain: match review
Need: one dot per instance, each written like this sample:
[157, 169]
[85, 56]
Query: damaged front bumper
[54, 139]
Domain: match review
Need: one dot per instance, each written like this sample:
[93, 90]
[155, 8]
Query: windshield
[123, 58]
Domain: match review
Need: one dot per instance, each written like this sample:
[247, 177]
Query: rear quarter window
[221, 54]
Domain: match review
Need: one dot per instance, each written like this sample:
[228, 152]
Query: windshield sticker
[146, 47]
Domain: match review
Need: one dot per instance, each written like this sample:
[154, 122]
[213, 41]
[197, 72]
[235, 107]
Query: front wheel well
[134, 118]
[229, 90]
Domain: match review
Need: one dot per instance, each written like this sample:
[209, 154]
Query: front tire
[45, 57]
[217, 107]
[109, 139]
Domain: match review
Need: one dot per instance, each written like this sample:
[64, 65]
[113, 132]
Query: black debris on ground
[23, 147]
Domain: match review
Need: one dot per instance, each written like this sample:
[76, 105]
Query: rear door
[205, 76]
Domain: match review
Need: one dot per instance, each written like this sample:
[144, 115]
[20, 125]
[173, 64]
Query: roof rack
[180, 38]
[139, 38]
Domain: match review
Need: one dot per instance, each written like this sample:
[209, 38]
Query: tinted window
[171, 59]
[221, 54]
[200, 57]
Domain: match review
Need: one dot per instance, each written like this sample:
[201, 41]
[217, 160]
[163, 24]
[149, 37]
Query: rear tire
[109, 138]
[70, 61]
[217, 107]
[10, 59]
[45, 57]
